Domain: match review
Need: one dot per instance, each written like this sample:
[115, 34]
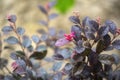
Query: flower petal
[62, 42]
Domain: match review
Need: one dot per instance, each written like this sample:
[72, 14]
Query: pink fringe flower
[63, 41]
[118, 31]
[14, 65]
[69, 36]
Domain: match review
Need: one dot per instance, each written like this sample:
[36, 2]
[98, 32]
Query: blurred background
[29, 15]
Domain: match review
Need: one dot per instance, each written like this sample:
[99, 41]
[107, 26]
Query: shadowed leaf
[106, 59]
[39, 55]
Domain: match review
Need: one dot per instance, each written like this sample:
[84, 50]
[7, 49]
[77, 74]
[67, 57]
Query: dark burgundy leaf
[93, 58]
[90, 35]
[108, 48]
[58, 57]
[86, 72]
[107, 40]
[93, 25]
[78, 58]
[112, 26]
[79, 50]
[42, 9]
[103, 31]
[100, 46]
[76, 29]
[39, 55]
[85, 21]
[74, 19]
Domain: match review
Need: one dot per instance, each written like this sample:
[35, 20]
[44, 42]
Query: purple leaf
[52, 16]
[74, 19]
[62, 42]
[42, 9]
[116, 44]
[103, 31]
[112, 26]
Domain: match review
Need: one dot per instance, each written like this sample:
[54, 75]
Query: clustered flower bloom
[69, 36]
[65, 40]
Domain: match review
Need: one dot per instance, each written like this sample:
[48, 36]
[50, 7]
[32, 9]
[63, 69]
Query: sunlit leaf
[35, 38]
[26, 41]
[12, 40]
[20, 30]
[7, 29]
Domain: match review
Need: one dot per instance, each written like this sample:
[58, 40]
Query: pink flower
[98, 20]
[14, 65]
[11, 18]
[69, 36]
[118, 31]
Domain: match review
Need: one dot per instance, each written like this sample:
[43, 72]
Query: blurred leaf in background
[64, 5]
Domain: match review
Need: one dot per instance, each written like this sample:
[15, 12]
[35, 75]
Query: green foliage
[64, 5]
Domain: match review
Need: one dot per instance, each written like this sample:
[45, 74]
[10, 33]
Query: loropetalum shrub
[27, 58]
[25, 65]
[91, 38]
[84, 62]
